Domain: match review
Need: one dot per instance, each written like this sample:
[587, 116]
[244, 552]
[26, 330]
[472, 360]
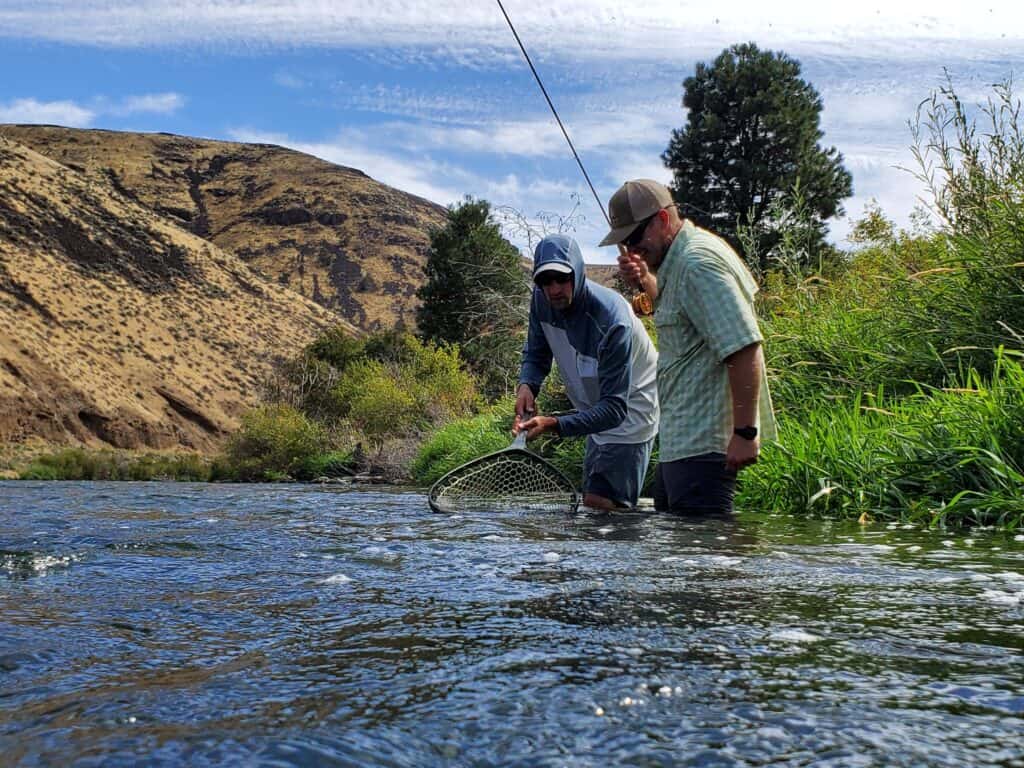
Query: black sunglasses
[550, 276]
[638, 234]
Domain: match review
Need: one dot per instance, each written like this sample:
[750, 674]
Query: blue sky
[435, 99]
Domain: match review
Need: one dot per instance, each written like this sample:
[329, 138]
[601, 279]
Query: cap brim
[562, 269]
[618, 234]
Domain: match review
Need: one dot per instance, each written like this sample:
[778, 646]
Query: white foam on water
[338, 578]
[39, 564]
[493, 537]
[723, 560]
[1010, 576]
[606, 530]
[914, 548]
[795, 636]
[948, 543]
[552, 557]
[1003, 598]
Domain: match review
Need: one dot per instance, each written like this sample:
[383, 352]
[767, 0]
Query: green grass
[941, 456]
[83, 464]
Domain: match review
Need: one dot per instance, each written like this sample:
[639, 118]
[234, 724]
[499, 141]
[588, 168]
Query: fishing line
[543, 90]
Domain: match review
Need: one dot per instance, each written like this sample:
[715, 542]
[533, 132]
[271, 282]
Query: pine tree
[751, 137]
[476, 295]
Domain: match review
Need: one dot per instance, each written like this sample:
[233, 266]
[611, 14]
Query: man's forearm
[745, 368]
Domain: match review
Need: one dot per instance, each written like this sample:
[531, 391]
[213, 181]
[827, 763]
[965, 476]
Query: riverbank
[39, 460]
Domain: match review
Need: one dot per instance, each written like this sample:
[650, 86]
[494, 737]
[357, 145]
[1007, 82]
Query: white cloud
[351, 149]
[470, 33]
[286, 80]
[158, 103]
[883, 176]
[73, 115]
[66, 113]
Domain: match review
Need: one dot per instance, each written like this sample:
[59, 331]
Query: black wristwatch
[747, 433]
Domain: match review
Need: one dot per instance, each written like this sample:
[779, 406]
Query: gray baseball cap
[633, 202]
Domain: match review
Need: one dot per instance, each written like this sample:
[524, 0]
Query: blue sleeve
[615, 376]
[536, 362]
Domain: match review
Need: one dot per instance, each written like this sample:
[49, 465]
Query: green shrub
[331, 464]
[274, 441]
[337, 347]
[415, 386]
[381, 406]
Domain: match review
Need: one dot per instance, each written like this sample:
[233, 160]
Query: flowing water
[279, 625]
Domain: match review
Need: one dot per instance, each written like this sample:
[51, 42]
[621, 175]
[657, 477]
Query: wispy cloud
[288, 80]
[152, 103]
[66, 113]
[351, 149]
[476, 32]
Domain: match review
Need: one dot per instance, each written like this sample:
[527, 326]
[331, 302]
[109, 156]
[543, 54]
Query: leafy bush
[415, 386]
[330, 464]
[337, 347]
[379, 404]
[274, 442]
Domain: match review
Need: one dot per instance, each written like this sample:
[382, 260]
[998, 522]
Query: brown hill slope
[328, 232]
[121, 328]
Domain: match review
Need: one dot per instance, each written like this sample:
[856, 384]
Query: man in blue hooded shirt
[609, 366]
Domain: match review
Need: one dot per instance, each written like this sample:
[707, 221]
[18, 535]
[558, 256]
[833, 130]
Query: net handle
[520, 441]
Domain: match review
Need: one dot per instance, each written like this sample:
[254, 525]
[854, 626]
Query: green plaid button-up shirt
[704, 313]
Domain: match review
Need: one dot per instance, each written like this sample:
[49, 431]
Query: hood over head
[560, 253]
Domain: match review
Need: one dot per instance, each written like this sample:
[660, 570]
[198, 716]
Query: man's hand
[741, 453]
[538, 425]
[632, 268]
[525, 407]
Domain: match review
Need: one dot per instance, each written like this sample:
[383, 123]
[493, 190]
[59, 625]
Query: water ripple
[171, 624]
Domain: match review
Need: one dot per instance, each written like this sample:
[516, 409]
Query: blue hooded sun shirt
[603, 353]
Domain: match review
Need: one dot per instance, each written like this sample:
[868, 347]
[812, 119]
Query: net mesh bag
[510, 479]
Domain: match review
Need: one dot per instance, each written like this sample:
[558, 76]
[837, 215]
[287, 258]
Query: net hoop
[513, 478]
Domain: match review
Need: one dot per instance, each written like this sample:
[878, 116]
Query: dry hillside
[330, 233]
[120, 327]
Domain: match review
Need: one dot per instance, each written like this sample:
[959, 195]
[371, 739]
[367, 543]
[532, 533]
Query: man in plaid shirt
[715, 405]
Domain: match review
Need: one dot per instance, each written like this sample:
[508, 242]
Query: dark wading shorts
[696, 485]
[616, 470]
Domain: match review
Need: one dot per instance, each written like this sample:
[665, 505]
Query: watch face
[747, 433]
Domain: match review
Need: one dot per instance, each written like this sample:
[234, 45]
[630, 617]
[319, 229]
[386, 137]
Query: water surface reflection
[293, 625]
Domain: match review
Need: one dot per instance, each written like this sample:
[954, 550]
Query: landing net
[509, 479]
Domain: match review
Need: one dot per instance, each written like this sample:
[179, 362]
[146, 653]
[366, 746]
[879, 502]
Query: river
[281, 625]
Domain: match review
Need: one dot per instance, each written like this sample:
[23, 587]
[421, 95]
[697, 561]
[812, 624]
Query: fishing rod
[565, 133]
